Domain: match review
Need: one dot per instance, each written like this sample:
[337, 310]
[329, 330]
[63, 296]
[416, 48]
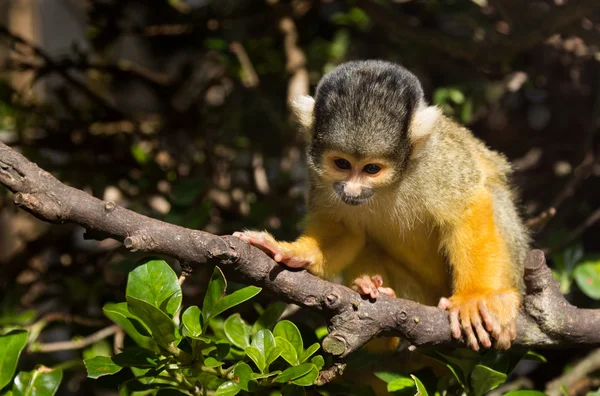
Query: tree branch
[546, 319]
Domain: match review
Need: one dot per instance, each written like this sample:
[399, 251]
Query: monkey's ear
[303, 107]
[422, 125]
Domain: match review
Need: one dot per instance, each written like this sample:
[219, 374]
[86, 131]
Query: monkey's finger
[377, 281]
[482, 335]
[454, 323]
[503, 340]
[485, 314]
[469, 334]
[513, 330]
[387, 291]
[278, 257]
[295, 262]
[444, 303]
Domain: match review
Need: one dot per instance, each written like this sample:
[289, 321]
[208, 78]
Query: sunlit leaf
[160, 324]
[484, 379]
[192, 322]
[292, 373]
[288, 352]
[119, 314]
[587, 276]
[39, 382]
[155, 283]
[100, 366]
[228, 388]
[290, 332]
[309, 352]
[11, 346]
[237, 331]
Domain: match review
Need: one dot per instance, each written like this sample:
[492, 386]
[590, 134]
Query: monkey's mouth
[352, 199]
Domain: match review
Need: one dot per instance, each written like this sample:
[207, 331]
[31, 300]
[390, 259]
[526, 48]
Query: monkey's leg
[325, 247]
[485, 299]
[372, 286]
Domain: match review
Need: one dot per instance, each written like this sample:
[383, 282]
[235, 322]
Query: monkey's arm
[484, 293]
[325, 248]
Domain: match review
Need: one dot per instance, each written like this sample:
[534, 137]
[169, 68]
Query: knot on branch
[42, 205]
[140, 240]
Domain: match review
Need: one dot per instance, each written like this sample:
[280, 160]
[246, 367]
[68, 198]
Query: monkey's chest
[408, 258]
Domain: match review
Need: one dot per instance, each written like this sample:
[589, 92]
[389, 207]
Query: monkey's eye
[371, 169]
[342, 164]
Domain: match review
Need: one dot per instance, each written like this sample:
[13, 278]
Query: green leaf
[160, 324]
[269, 317]
[401, 384]
[388, 377]
[136, 357]
[237, 331]
[257, 357]
[233, 299]
[192, 322]
[534, 356]
[100, 348]
[228, 388]
[100, 366]
[290, 332]
[587, 276]
[292, 373]
[318, 361]
[309, 352]
[39, 382]
[11, 346]
[156, 284]
[17, 319]
[421, 390]
[525, 392]
[210, 381]
[242, 375]
[288, 352]
[309, 378]
[484, 379]
[214, 293]
[119, 314]
[265, 343]
[212, 362]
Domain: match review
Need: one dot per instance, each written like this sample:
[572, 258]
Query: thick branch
[546, 320]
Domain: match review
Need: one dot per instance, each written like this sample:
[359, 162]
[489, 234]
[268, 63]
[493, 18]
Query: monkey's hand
[496, 310]
[277, 250]
[371, 286]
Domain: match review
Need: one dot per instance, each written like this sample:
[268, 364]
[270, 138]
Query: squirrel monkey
[401, 193]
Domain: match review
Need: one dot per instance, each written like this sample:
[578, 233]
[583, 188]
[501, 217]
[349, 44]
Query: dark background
[178, 110]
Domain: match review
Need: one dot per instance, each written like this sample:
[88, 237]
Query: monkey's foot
[497, 311]
[265, 242]
[371, 286]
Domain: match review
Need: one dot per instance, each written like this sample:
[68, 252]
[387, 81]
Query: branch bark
[546, 318]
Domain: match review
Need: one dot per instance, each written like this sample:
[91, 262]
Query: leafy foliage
[182, 353]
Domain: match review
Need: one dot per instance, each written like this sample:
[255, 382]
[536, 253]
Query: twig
[68, 318]
[296, 60]
[576, 233]
[546, 318]
[109, 108]
[584, 367]
[249, 78]
[77, 344]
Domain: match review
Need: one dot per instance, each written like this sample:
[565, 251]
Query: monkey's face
[355, 180]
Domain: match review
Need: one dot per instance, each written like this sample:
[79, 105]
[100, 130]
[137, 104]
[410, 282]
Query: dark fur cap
[365, 108]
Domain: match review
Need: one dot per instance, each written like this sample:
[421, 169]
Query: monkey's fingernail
[278, 257]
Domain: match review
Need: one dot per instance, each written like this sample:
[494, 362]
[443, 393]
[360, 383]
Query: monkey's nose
[353, 189]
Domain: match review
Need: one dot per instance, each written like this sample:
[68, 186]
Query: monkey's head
[367, 121]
